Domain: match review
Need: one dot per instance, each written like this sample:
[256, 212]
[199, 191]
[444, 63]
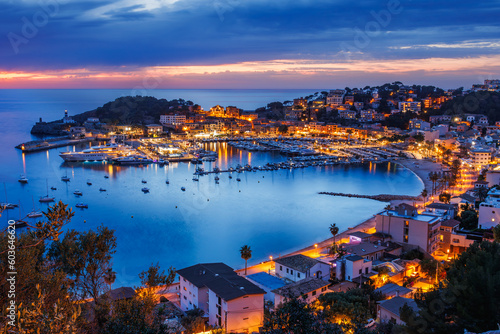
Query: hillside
[135, 110]
[486, 103]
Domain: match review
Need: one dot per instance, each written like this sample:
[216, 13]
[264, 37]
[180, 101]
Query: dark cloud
[226, 31]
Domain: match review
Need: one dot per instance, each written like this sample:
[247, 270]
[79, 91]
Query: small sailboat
[145, 190]
[65, 178]
[183, 189]
[230, 177]
[216, 178]
[167, 182]
[238, 179]
[102, 189]
[35, 213]
[196, 179]
[106, 176]
[46, 198]
[82, 206]
[23, 179]
[89, 183]
[53, 188]
[78, 192]
[144, 181]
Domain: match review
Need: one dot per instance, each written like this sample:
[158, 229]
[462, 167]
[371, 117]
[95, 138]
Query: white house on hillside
[230, 301]
[298, 267]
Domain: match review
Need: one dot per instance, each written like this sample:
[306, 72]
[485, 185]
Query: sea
[274, 212]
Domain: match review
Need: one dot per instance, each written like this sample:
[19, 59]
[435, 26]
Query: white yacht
[96, 153]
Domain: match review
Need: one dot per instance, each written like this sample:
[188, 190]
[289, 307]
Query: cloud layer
[128, 37]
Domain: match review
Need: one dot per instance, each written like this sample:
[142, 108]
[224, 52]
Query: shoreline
[422, 172]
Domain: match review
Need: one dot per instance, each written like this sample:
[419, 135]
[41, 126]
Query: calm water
[273, 212]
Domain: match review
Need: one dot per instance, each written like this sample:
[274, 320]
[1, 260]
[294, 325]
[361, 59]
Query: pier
[42, 145]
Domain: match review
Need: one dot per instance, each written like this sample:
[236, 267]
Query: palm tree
[433, 177]
[334, 230]
[424, 195]
[110, 277]
[246, 254]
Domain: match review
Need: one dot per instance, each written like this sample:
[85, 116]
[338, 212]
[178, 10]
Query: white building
[230, 301]
[308, 289]
[489, 210]
[409, 106]
[351, 267]
[335, 98]
[480, 157]
[172, 119]
[298, 267]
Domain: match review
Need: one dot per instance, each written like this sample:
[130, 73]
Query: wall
[292, 274]
[189, 294]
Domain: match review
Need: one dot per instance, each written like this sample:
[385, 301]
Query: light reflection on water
[273, 212]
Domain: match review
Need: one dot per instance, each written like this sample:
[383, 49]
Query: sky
[251, 44]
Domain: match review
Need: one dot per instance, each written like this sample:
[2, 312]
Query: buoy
[240, 190]
[131, 216]
[84, 221]
[176, 206]
[208, 199]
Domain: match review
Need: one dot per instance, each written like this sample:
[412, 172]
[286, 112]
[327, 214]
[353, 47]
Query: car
[370, 323]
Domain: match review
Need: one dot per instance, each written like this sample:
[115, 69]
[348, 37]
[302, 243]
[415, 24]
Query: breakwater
[381, 197]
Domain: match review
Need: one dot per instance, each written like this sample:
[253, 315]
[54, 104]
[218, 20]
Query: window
[185, 289]
[314, 293]
[323, 289]
[287, 270]
[185, 298]
[298, 275]
[360, 271]
[281, 268]
[456, 241]
[291, 271]
[407, 223]
[405, 239]
[366, 270]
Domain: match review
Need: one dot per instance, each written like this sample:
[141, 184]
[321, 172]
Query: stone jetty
[381, 197]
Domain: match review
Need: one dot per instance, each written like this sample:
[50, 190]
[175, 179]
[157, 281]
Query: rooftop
[364, 248]
[221, 279]
[450, 223]
[120, 293]
[391, 290]
[301, 287]
[298, 262]
[393, 305]
[359, 234]
[421, 217]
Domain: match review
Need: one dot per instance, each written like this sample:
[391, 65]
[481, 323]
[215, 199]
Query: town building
[388, 310]
[418, 124]
[229, 301]
[408, 227]
[489, 210]
[480, 156]
[409, 106]
[335, 98]
[308, 289]
[351, 267]
[172, 119]
[297, 267]
[154, 129]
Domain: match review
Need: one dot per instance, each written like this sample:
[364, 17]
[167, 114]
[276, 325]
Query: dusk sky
[247, 43]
